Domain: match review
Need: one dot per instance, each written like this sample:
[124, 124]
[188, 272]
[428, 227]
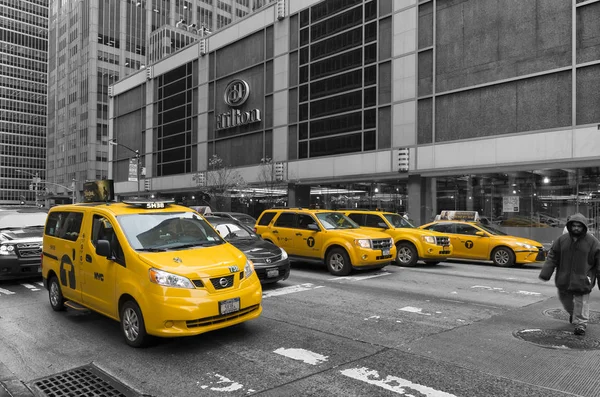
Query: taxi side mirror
[103, 248]
[480, 233]
[313, 226]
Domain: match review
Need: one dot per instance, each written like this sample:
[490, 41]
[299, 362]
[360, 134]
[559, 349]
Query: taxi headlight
[527, 246]
[248, 269]
[169, 279]
[363, 243]
[429, 239]
[7, 250]
[284, 254]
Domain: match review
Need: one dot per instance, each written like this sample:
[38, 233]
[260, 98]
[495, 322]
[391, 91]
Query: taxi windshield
[491, 230]
[398, 221]
[167, 230]
[336, 220]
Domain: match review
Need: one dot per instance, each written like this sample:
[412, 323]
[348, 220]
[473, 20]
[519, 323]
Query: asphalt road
[427, 331]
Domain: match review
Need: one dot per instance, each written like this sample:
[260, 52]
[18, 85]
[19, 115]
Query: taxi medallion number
[272, 273]
[229, 306]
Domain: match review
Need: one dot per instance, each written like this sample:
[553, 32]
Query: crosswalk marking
[360, 278]
[290, 290]
[31, 287]
[393, 383]
[6, 292]
[302, 355]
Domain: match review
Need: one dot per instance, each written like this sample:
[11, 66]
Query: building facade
[412, 106]
[95, 43]
[23, 107]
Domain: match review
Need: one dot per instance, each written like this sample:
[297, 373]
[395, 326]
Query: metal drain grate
[556, 339]
[85, 381]
[561, 314]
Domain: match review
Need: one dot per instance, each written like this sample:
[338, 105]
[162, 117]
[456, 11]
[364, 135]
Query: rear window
[266, 218]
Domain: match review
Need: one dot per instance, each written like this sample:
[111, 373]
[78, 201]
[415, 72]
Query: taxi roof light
[468, 216]
[149, 204]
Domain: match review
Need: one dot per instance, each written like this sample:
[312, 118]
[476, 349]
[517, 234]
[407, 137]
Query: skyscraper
[23, 66]
[93, 44]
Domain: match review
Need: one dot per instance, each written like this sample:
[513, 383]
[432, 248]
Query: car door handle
[88, 258]
[275, 232]
[298, 234]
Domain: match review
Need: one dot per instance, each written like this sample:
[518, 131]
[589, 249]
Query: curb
[10, 386]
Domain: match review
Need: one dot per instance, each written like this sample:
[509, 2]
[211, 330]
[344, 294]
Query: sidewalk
[10, 386]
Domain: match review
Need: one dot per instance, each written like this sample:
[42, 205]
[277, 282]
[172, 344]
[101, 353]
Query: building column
[422, 203]
[298, 195]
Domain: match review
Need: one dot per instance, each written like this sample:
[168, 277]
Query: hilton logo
[236, 93]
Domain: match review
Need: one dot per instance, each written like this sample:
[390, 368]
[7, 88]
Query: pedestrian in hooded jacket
[576, 258]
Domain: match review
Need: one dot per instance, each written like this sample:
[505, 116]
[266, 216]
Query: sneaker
[579, 330]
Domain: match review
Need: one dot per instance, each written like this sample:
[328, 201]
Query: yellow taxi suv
[325, 236]
[412, 244]
[159, 269]
[474, 241]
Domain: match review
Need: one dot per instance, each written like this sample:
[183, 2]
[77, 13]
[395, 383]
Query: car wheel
[503, 257]
[406, 254]
[57, 300]
[338, 262]
[132, 325]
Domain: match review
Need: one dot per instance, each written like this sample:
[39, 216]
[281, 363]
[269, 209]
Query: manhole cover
[86, 381]
[557, 339]
[561, 314]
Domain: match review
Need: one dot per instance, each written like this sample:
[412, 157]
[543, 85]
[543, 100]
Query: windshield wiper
[152, 249]
[191, 245]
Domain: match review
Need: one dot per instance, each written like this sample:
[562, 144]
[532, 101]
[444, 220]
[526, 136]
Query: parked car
[238, 216]
[475, 241]
[271, 263]
[21, 231]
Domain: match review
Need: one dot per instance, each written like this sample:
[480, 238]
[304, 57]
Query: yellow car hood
[198, 262]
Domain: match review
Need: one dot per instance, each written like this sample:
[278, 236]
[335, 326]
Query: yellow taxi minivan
[325, 236]
[412, 244]
[472, 240]
[157, 268]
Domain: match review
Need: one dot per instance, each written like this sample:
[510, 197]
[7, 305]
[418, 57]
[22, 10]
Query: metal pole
[137, 155]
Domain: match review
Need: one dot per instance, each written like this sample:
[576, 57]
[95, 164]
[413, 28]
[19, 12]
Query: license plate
[229, 306]
[444, 252]
[385, 252]
[39, 269]
[272, 273]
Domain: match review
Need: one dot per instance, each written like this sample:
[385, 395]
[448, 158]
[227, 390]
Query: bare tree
[268, 179]
[221, 180]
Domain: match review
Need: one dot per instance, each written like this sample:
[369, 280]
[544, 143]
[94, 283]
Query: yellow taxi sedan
[474, 241]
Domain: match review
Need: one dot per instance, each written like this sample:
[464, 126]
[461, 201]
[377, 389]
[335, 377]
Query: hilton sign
[236, 94]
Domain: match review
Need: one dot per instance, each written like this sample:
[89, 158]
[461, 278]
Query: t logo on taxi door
[67, 272]
[469, 244]
[98, 276]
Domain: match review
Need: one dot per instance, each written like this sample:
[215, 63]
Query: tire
[338, 262]
[503, 257]
[132, 325]
[57, 300]
[406, 255]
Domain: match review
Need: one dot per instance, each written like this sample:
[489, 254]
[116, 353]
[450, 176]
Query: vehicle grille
[271, 259]
[216, 282]
[382, 243]
[207, 321]
[28, 250]
[198, 283]
[541, 256]
[443, 241]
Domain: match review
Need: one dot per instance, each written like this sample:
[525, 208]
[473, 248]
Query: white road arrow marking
[290, 290]
[302, 355]
[393, 383]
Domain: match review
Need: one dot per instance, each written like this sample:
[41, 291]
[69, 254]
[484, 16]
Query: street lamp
[35, 180]
[114, 142]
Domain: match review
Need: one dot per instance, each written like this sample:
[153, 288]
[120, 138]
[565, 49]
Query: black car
[238, 216]
[21, 232]
[271, 263]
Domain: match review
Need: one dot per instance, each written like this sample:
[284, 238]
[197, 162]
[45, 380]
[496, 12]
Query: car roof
[122, 208]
